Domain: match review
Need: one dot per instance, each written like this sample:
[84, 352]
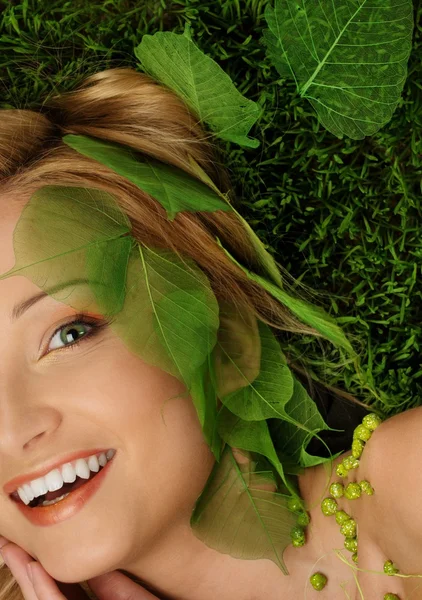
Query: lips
[44, 516]
[12, 485]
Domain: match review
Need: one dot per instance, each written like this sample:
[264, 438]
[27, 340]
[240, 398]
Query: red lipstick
[12, 485]
[45, 516]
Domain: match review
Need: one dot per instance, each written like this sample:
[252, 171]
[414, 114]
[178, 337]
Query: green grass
[343, 216]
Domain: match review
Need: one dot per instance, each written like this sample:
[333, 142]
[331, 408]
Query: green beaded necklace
[351, 491]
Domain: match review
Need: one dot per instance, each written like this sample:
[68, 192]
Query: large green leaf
[163, 305]
[291, 440]
[267, 394]
[265, 259]
[173, 188]
[236, 515]
[177, 62]
[347, 57]
[170, 316]
[310, 314]
[74, 237]
[251, 436]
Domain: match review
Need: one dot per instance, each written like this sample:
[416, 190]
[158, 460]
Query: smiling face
[56, 399]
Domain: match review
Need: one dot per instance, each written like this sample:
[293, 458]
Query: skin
[139, 520]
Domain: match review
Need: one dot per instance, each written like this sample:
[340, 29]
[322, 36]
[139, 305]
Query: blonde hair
[124, 106]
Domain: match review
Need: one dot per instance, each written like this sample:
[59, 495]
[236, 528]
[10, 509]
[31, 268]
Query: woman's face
[55, 399]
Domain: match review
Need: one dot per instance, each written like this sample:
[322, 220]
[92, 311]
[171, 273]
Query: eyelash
[80, 318]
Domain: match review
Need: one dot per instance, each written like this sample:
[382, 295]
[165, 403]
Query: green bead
[366, 487]
[341, 517]
[389, 568]
[337, 490]
[362, 433]
[355, 557]
[318, 581]
[348, 529]
[341, 470]
[352, 491]
[371, 421]
[329, 506]
[350, 462]
[357, 448]
[297, 535]
[351, 544]
[294, 504]
[303, 519]
[391, 597]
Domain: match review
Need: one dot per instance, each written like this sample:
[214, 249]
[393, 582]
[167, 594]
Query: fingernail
[29, 571]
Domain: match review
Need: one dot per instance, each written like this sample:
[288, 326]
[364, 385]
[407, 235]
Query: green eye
[69, 334]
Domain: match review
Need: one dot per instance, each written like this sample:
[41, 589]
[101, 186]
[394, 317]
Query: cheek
[156, 425]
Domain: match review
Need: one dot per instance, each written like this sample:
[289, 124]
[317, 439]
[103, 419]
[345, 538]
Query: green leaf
[267, 395]
[236, 515]
[252, 436]
[347, 57]
[264, 258]
[174, 189]
[170, 317]
[209, 92]
[291, 440]
[66, 233]
[163, 305]
[310, 314]
[204, 397]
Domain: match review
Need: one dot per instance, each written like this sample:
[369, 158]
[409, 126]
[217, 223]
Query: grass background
[342, 216]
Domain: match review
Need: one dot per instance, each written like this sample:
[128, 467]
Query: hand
[110, 586]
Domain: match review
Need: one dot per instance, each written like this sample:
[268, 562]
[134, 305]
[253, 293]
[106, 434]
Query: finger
[47, 588]
[116, 586]
[16, 559]
[43, 587]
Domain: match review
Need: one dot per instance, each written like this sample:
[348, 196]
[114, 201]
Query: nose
[26, 417]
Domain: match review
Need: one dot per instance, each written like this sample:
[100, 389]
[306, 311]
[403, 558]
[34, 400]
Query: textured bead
[294, 504]
[329, 506]
[341, 470]
[303, 519]
[371, 421]
[355, 557]
[341, 517]
[348, 529]
[357, 448]
[350, 462]
[297, 535]
[318, 581]
[337, 490]
[389, 568]
[352, 491]
[351, 544]
[362, 433]
[391, 597]
[366, 487]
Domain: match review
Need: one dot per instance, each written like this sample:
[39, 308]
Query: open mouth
[58, 495]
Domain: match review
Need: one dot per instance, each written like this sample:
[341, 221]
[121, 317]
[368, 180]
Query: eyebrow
[22, 307]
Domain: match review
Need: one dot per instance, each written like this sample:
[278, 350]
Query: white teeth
[93, 464]
[66, 474]
[82, 469]
[39, 486]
